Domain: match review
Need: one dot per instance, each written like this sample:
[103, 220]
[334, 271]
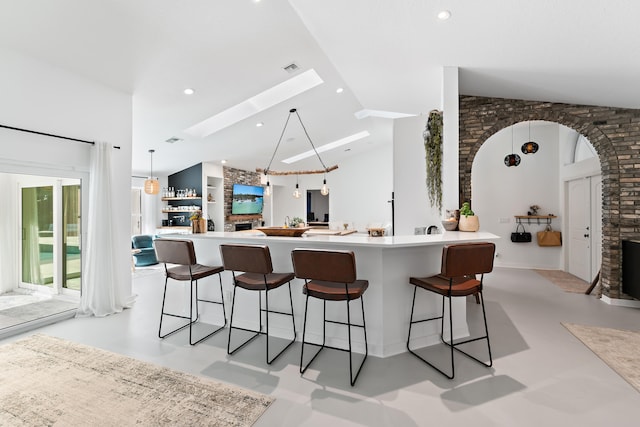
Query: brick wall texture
[614, 133]
[238, 176]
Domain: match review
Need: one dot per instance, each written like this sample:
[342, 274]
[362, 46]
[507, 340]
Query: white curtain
[101, 294]
[8, 237]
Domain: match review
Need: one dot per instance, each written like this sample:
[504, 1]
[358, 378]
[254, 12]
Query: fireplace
[243, 226]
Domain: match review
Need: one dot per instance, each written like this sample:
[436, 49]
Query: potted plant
[468, 220]
[198, 223]
[296, 222]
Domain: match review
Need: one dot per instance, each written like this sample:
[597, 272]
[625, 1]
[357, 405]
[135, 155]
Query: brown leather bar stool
[183, 255]
[255, 263]
[460, 264]
[330, 276]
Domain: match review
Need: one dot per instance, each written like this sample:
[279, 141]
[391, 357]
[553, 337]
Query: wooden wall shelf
[540, 219]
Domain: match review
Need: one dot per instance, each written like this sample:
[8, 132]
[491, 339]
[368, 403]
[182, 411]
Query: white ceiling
[386, 54]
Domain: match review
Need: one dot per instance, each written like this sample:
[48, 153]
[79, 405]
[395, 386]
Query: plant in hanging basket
[432, 136]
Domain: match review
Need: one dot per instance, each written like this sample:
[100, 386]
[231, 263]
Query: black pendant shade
[511, 160]
[529, 147]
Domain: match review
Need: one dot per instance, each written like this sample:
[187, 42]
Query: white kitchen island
[387, 262]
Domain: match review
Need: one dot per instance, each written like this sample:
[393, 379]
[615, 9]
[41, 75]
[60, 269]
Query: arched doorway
[612, 132]
[541, 179]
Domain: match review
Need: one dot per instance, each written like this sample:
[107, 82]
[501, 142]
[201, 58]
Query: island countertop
[351, 240]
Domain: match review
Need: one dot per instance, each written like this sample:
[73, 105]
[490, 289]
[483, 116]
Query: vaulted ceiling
[387, 55]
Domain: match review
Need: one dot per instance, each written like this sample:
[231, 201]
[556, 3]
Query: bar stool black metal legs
[330, 276]
[460, 264]
[255, 262]
[182, 254]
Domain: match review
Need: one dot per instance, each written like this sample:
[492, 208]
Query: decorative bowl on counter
[282, 231]
[450, 224]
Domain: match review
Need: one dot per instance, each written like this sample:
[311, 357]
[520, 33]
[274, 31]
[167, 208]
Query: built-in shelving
[166, 199]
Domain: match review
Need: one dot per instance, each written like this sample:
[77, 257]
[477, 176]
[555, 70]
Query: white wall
[412, 206]
[359, 190]
[41, 97]
[499, 192]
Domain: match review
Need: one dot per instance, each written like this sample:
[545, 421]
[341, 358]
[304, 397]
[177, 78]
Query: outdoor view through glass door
[51, 235]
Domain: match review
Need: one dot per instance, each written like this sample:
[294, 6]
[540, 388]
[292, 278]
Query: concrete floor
[541, 375]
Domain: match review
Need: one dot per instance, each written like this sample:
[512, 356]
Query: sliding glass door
[51, 234]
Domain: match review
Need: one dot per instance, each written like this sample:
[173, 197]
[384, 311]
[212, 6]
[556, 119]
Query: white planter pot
[469, 223]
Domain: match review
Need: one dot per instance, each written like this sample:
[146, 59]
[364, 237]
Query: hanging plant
[433, 156]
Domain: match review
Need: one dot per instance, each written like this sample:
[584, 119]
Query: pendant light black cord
[309, 138]
[52, 135]
[293, 110]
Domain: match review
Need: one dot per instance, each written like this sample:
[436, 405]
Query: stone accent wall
[238, 176]
[614, 133]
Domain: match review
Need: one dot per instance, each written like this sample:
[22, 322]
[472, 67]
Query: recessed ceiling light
[189, 91]
[260, 102]
[223, 161]
[339, 90]
[259, 124]
[327, 147]
[443, 15]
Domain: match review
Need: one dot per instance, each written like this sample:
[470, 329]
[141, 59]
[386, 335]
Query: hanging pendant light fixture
[267, 189]
[512, 159]
[529, 147]
[151, 185]
[324, 190]
[267, 171]
[296, 192]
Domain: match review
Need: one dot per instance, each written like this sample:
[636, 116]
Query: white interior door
[579, 223]
[584, 213]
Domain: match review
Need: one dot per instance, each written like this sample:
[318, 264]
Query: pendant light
[296, 193]
[324, 190]
[267, 189]
[529, 147]
[151, 185]
[512, 159]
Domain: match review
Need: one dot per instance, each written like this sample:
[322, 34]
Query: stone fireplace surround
[238, 176]
[613, 132]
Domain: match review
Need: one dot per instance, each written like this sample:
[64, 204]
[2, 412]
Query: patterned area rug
[50, 381]
[616, 348]
[565, 281]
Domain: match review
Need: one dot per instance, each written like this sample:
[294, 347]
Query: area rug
[51, 381]
[617, 348]
[565, 281]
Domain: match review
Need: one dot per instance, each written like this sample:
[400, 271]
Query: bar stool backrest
[175, 251]
[247, 258]
[326, 265]
[467, 258]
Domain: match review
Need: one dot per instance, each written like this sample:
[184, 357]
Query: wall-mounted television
[247, 199]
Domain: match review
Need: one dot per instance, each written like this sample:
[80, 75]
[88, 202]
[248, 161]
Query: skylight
[260, 102]
[327, 147]
[363, 114]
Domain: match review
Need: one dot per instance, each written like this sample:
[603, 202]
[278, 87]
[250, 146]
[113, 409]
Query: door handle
[585, 235]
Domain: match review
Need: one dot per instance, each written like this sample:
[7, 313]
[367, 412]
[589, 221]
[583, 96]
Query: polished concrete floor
[541, 375]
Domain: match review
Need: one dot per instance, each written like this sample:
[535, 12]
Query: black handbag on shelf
[520, 236]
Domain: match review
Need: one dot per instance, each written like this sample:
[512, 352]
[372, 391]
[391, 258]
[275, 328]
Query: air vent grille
[291, 68]
[173, 139]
